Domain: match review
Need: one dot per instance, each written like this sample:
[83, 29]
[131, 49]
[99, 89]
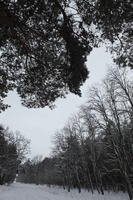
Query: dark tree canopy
[44, 44]
[113, 22]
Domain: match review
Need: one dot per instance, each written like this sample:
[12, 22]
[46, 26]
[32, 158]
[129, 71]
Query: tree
[40, 171]
[94, 150]
[113, 107]
[99, 142]
[43, 51]
[22, 143]
[113, 22]
[44, 44]
[12, 152]
[92, 146]
[8, 159]
[68, 152]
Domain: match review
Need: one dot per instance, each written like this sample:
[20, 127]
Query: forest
[94, 149]
[44, 46]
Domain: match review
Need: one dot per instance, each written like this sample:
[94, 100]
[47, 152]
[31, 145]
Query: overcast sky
[39, 125]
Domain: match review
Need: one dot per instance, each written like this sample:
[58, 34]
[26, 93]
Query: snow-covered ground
[18, 191]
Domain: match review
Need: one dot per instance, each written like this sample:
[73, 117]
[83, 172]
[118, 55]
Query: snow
[19, 191]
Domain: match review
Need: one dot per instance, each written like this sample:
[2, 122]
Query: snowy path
[18, 191]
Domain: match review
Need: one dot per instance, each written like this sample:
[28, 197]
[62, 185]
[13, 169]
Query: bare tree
[109, 105]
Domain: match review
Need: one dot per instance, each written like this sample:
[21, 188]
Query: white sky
[39, 125]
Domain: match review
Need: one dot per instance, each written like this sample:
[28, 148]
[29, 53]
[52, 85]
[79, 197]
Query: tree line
[94, 150]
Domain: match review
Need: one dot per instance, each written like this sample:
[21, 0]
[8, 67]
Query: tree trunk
[78, 180]
[128, 186]
[91, 184]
